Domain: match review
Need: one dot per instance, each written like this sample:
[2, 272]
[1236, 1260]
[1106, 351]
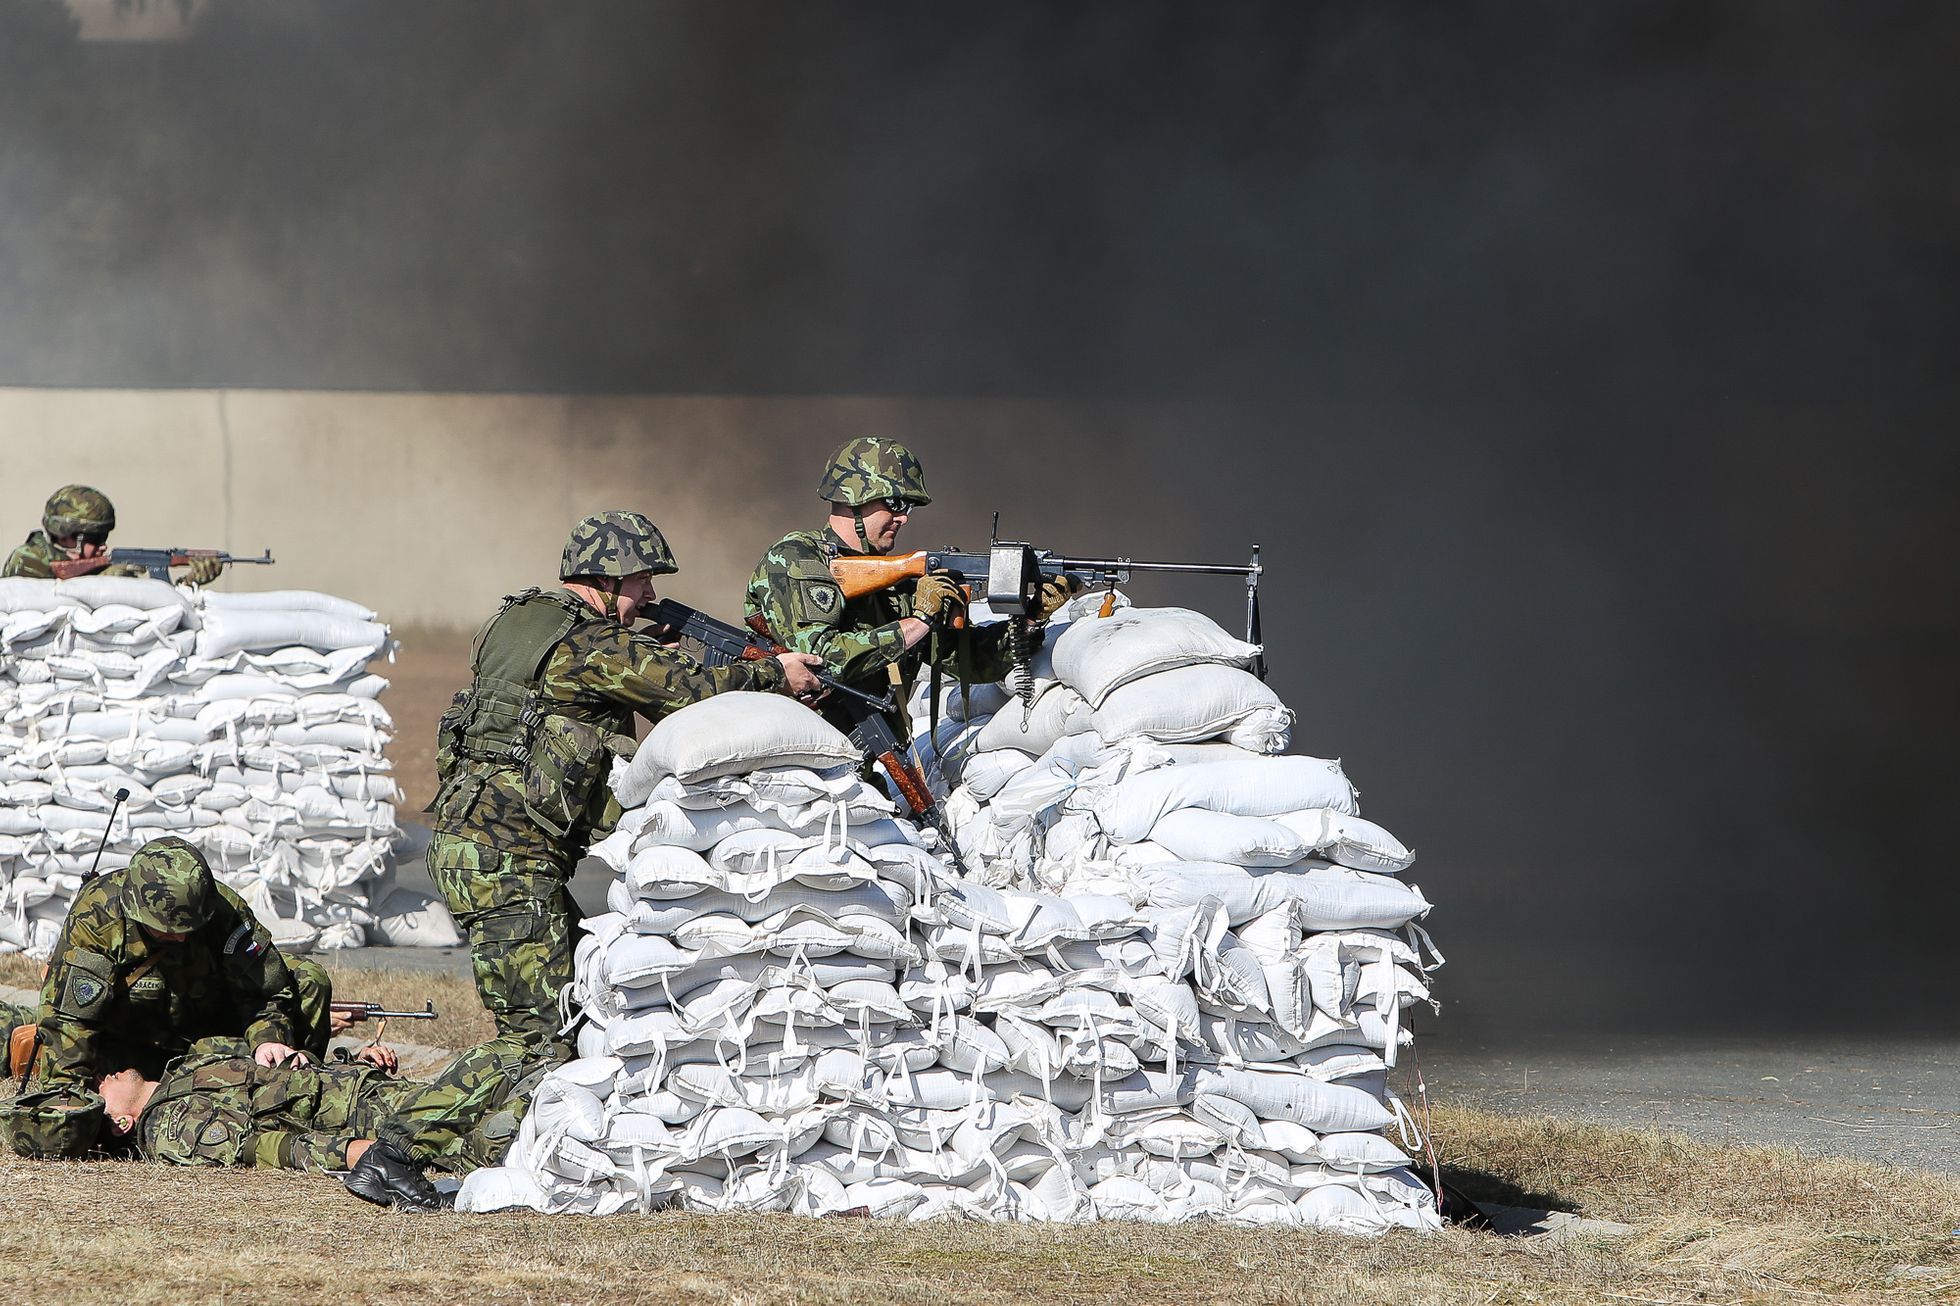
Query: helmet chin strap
[857, 516]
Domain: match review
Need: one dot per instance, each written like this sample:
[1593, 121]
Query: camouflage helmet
[870, 468]
[167, 887]
[78, 510]
[54, 1123]
[616, 544]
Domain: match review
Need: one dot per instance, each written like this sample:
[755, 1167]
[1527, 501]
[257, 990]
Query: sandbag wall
[248, 724]
[800, 1003]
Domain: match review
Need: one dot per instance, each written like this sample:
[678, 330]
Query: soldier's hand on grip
[800, 675]
[204, 570]
[936, 597]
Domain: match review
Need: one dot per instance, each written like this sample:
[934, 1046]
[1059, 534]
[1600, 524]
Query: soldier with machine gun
[879, 640]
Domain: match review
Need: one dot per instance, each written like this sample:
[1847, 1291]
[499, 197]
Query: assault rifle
[360, 1011]
[722, 644]
[1009, 576]
[157, 562]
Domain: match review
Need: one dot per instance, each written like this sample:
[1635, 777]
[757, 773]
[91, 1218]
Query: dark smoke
[1586, 370]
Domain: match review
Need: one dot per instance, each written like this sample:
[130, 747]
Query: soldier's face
[122, 1095]
[635, 593]
[83, 546]
[165, 936]
[882, 525]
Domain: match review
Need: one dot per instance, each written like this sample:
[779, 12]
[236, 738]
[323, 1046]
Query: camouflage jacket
[217, 1106]
[859, 638]
[35, 560]
[114, 997]
[599, 673]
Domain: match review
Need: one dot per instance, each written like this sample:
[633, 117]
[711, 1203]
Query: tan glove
[204, 570]
[936, 597]
[1053, 594]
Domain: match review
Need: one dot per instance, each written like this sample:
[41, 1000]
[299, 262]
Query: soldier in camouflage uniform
[523, 755]
[872, 642]
[75, 525]
[217, 1106]
[158, 955]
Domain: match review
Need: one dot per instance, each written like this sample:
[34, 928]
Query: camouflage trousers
[520, 919]
[466, 1117]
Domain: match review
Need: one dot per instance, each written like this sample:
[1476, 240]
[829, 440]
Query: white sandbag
[410, 918]
[1322, 1107]
[729, 733]
[283, 601]
[1189, 704]
[1057, 713]
[1097, 655]
[1256, 786]
[1347, 839]
[1196, 835]
[985, 773]
[236, 629]
[130, 591]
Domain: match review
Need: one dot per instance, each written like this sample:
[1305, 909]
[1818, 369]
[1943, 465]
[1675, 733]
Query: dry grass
[1711, 1224]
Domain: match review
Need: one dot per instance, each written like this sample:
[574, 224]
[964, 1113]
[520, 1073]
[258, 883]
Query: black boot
[386, 1177]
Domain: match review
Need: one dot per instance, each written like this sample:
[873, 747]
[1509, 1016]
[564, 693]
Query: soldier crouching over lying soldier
[219, 1106]
[158, 955]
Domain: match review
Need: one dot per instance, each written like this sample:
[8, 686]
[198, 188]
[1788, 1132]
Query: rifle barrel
[1127, 564]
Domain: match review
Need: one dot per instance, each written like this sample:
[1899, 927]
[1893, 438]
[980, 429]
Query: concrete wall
[427, 507]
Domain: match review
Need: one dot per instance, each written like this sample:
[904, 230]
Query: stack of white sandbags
[245, 723]
[797, 1005]
[1169, 792]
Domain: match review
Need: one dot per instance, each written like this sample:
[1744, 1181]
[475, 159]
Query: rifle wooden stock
[914, 790]
[858, 576]
[73, 567]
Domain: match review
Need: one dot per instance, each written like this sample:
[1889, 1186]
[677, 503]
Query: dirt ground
[1702, 1224]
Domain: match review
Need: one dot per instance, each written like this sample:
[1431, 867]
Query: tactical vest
[502, 719]
[495, 715]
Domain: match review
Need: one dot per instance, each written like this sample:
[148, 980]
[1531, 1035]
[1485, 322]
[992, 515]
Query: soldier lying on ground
[219, 1106]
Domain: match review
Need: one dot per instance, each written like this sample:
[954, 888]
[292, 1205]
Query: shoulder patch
[87, 984]
[238, 936]
[824, 598]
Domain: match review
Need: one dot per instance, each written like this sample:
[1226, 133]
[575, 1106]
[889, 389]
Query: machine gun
[1009, 576]
[157, 562]
[722, 644]
[360, 1011]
